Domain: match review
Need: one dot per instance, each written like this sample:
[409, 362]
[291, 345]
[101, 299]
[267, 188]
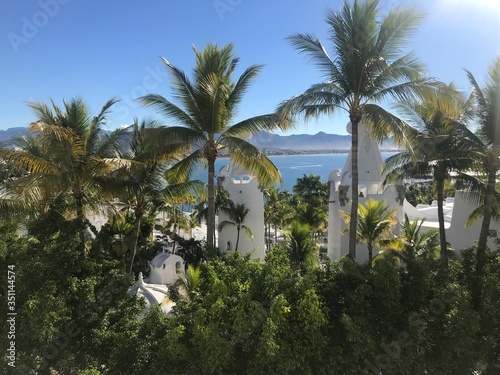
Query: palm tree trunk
[268, 236]
[238, 229]
[483, 236]
[211, 203]
[442, 232]
[78, 195]
[370, 253]
[135, 241]
[354, 182]
[174, 236]
[488, 211]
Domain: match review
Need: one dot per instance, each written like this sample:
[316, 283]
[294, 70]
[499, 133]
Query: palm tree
[311, 190]
[237, 213]
[415, 241]
[314, 216]
[139, 183]
[67, 156]
[142, 182]
[366, 67]
[487, 111]
[206, 115]
[177, 220]
[303, 251]
[271, 203]
[13, 203]
[190, 281]
[278, 210]
[439, 143]
[375, 225]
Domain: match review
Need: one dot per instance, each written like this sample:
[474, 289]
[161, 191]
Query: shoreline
[310, 152]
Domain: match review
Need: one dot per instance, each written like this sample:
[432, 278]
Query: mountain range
[7, 135]
[268, 142]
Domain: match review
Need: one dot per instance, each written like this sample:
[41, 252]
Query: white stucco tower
[370, 165]
[243, 188]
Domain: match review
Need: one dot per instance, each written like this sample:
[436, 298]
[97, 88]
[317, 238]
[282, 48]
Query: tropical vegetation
[207, 116]
[439, 143]
[297, 311]
[376, 222]
[366, 67]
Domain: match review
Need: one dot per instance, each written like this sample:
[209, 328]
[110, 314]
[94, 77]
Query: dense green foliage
[296, 313]
[246, 317]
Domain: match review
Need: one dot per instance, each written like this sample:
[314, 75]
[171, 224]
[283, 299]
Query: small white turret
[243, 188]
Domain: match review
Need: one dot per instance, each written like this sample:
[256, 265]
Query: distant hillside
[270, 143]
[7, 135]
[300, 143]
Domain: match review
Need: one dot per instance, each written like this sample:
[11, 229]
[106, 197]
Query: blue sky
[97, 50]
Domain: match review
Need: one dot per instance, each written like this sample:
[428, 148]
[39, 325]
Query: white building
[165, 269]
[370, 166]
[243, 188]
[153, 294]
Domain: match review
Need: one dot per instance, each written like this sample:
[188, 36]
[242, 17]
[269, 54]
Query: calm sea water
[295, 166]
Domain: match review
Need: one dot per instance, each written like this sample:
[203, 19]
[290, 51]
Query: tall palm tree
[138, 184]
[177, 220]
[142, 182]
[237, 213]
[271, 203]
[68, 155]
[439, 144]
[487, 111]
[367, 66]
[375, 225]
[206, 116]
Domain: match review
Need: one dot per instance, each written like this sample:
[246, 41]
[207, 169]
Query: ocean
[295, 166]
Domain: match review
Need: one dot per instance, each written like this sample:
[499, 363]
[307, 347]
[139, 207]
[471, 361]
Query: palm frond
[316, 101]
[183, 169]
[395, 29]
[314, 49]
[250, 158]
[185, 92]
[382, 123]
[253, 125]
[169, 109]
[242, 85]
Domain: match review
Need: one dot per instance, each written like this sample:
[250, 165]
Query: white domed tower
[370, 166]
[243, 188]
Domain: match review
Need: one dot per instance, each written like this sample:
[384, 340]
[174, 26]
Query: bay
[295, 166]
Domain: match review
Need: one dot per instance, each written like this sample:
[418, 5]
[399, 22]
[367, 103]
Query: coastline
[286, 152]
